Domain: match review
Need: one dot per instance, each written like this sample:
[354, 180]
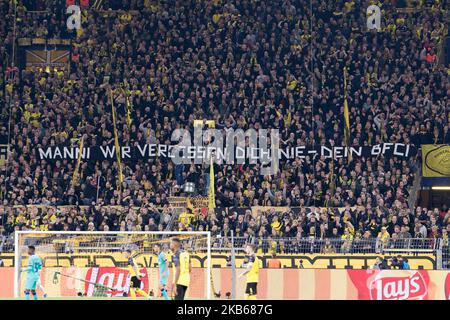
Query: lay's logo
[115, 280]
[386, 287]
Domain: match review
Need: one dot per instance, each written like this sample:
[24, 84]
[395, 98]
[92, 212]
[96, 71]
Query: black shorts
[181, 292]
[251, 288]
[135, 282]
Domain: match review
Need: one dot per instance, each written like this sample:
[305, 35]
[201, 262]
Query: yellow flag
[211, 191]
[116, 142]
[288, 118]
[77, 168]
[128, 106]
[346, 118]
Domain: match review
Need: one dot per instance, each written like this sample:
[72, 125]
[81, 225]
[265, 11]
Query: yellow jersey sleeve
[182, 259]
[131, 265]
[253, 274]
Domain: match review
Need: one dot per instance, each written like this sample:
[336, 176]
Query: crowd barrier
[221, 259]
[291, 284]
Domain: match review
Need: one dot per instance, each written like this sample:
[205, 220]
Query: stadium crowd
[243, 64]
[351, 229]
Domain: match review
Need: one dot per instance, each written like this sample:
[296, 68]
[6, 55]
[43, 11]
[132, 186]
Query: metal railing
[2, 242]
[410, 246]
[445, 264]
[331, 245]
[173, 218]
[7, 243]
[302, 245]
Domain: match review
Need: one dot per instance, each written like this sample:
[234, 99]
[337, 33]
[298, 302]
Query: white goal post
[92, 264]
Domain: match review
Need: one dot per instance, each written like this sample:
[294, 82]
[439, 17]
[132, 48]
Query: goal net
[95, 265]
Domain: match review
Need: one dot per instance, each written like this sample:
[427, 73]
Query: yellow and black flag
[211, 191]
[116, 142]
[128, 106]
[346, 118]
[77, 168]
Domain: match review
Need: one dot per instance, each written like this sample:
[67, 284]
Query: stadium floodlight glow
[84, 264]
[440, 188]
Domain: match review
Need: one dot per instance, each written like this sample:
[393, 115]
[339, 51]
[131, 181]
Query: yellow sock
[250, 297]
[142, 293]
[133, 293]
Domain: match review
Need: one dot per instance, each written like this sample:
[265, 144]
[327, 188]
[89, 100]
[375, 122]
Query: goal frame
[17, 235]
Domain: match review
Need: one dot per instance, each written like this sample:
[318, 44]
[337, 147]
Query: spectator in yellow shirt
[383, 235]
[347, 243]
[186, 217]
[276, 224]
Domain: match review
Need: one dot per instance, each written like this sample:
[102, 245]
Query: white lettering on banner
[142, 151]
[69, 153]
[45, 154]
[386, 146]
[338, 152]
[299, 152]
[376, 150]
[108, 152]
[355, 151]
[267, 154]
[126, 152]
[57, 153]
[162, 150]
[327, 152]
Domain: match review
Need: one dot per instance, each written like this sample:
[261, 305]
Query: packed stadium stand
[242, 64]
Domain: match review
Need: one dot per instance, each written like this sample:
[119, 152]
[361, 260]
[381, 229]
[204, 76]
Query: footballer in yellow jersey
[135, 281]
[251, 272]
[181, 264]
